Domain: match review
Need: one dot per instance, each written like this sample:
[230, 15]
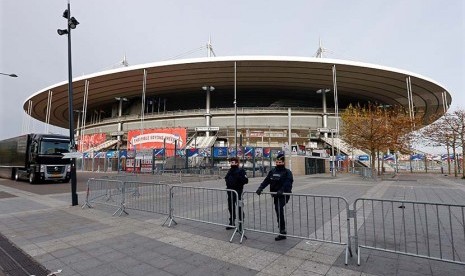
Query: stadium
[238, 104]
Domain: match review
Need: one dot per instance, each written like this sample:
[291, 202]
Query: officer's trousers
[232, 202]
[279, 203]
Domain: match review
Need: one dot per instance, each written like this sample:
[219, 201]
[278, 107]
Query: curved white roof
[364, 81]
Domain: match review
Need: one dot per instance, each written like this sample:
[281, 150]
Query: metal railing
[206, 205]
[365, 173]
[422, 229]
[313, 217]
[148, 197]
[105, 191]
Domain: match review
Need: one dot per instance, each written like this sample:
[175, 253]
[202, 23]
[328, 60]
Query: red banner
[91, 140]
[155, 138]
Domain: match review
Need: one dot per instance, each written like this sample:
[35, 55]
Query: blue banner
[220, 152]
[232, 151]
[158, 153]
[363, 158]
[389, 157]
[192, 152]
[341, 157]
[417, 157]
[444, 157]
[248, 152]
[267, 152]
[112, 154]
[205, 152]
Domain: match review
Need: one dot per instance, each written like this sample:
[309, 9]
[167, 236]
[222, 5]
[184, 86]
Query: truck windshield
[54, 147]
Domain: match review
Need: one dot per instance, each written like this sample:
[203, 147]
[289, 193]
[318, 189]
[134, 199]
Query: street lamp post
[325, 114]
[120, 127]
[208, 115]
[9, 75]
[72, 23]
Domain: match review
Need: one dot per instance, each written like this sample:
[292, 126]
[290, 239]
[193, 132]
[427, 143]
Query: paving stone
[179, 268]
[85, 264]
[161, 261]
[304, 273]
[111, 256]
[339, 271]
[379, 265]
[283, 266]
[314, 267]
[138, 245]
[102, 270]
[65, 252]
[141, 269]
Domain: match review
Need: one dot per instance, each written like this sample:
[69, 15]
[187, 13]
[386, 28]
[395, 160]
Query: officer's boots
[231, 225]
[281, 236]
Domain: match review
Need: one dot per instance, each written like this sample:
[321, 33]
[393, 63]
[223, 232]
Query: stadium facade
[254, 101]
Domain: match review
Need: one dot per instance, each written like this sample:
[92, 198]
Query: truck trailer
[36, 157]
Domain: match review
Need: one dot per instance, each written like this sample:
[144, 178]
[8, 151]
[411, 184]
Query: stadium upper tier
[260, 81]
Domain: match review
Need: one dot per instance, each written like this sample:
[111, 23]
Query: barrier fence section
[312, 217]
[154, 178]
[105, 191]
[364, 172]
[146, 196]
[422, 229]
[207, 205]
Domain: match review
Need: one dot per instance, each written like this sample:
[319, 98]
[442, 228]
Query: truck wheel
[32, 178]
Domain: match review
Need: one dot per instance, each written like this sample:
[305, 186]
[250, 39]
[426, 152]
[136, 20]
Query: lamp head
[66, 14]
[73, 23]
[62, 32]
[319, 91]
[207, 87]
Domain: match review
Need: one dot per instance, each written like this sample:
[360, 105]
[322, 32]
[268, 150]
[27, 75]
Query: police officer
[280, 180]
[235, 179]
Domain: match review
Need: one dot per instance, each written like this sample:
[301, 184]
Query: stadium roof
[367, 82]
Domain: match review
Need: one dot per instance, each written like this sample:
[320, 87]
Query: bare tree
[377, 129]
[448, 131]
[456, 122]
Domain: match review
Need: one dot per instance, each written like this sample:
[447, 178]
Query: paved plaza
[84, 241]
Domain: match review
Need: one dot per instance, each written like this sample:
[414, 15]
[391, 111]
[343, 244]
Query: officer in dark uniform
[280, 180]
[236, 178]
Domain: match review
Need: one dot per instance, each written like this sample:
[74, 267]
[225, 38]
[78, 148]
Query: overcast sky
[422, 36]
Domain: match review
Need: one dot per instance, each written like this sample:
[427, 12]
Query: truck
[35, 157]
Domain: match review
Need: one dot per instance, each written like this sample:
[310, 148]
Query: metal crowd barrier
[207, 205]
[123, 177]
[146, 196]
[105, 191]
[429, 230]
[422, 229]
[312, 217]
[365, 173]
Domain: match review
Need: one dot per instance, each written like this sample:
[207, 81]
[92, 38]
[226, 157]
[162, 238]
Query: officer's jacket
[236, 178]
[279, 180]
